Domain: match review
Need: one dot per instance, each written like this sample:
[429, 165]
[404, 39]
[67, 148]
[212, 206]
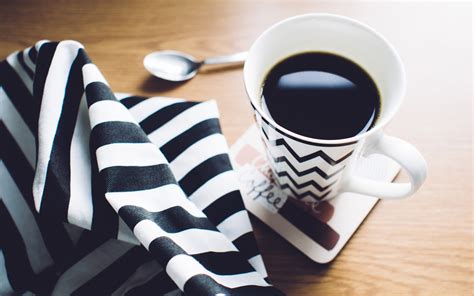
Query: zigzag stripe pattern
[308, 171]
[304, 194]
[319, 153]
[305, 184]
[278, 150]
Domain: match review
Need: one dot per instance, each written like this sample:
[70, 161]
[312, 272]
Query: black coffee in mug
[321, 95]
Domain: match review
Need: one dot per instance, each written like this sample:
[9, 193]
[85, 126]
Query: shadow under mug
[315, 169]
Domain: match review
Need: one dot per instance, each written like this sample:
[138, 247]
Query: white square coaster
[318, 230]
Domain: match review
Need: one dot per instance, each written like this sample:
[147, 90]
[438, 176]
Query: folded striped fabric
[112, 194]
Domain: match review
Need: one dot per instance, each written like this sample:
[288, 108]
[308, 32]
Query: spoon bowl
[171, 65]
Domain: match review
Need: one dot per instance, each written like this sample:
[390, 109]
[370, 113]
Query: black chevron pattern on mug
[289, 176]
[319, 153]
[304, 194]
[305, 184]
[308, 171]
[315, 190]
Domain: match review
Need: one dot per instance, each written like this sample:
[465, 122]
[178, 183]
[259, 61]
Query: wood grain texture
[419, 246]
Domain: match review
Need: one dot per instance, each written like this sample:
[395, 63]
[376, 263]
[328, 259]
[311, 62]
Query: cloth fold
[88, 175]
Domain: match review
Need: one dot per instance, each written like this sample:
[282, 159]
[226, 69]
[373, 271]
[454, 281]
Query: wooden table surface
[421, 245]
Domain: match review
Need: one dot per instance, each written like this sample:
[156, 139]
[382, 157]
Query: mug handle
[402, 152]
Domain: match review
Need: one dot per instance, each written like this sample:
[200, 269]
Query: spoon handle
[227, 59]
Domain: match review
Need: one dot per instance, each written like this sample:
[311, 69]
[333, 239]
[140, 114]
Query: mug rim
[329, 142]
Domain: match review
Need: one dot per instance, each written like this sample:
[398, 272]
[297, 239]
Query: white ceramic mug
[309, 168]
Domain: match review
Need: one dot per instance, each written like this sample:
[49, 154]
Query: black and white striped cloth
[88, 175]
